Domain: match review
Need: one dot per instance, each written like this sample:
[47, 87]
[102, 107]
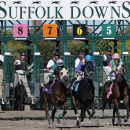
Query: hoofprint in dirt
[35, 120]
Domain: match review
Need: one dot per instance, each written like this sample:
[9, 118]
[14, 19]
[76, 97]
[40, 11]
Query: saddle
[48, 87]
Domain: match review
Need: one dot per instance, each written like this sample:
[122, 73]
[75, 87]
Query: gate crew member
[21, 67]
[81, 68]
[107, 57]
[77, 61]
[51, 63]
[1, 74]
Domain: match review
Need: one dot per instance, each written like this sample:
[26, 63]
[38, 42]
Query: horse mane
[90, 66]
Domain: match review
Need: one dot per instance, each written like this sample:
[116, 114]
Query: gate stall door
[98, 79]
[8, 89]
[126, 65]
[39, 74]
[70, 63]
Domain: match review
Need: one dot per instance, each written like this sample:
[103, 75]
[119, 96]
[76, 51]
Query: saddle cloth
[110, 92]
[49, 91]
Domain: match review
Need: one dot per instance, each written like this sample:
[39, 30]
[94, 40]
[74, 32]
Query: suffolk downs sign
[64, 10]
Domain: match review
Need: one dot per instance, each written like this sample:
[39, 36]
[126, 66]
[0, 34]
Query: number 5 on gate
[49, 30]
[109, 30]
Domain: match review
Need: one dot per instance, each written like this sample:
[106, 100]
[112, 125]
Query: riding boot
[49, 84]
[75, 84]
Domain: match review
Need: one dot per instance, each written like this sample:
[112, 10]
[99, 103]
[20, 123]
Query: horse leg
[88, 112]
[82, 112]
[104, 105]
[117, 112]
[64, 109]
[58, 116]
[93, 110]
[75, 110]
[47, 111]
[127, 108]
[52, 115]
[113, 119]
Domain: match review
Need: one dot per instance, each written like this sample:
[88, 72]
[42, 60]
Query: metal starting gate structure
[8, 89]
[62, 36]
[98, 79]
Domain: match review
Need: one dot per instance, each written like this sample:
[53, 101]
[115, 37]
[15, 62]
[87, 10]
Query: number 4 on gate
[49, 30]
[108, 30]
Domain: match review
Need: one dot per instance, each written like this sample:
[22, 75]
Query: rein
[87, 76]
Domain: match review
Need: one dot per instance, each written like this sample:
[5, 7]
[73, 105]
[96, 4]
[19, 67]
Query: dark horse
[58, 97]
[85, 94]
[120, 91]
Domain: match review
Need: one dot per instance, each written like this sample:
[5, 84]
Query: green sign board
[108, 30]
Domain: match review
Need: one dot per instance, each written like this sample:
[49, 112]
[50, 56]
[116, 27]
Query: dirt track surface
[35, 120]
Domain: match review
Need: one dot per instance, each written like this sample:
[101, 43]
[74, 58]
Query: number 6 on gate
[49, 30]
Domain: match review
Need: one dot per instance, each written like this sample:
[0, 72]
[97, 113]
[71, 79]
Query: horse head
[64, 76]
[120, 74]
[89, 71]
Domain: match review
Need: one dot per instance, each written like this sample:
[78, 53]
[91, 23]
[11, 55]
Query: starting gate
[70, 64]
[8, 89]
[37, 80]
[126, 66]
[98, 79]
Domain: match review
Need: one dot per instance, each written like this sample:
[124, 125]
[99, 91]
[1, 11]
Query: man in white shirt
[51, 63]
[21, 67]
[1, 73]
[107, 57]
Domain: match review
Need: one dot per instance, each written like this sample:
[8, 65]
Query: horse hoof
[88, 116]
[78, 126]
[81, 120]
[58, 121]
[125, 120]
[61, 116]
[118, 124]
[113, 122]
[52, 125]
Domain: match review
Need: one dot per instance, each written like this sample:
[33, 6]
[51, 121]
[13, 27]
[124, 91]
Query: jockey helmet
[109, 48]
[88, 58]
[80, 52]
[59, 62]
[57, 53]
[22, 53]
[116, 56]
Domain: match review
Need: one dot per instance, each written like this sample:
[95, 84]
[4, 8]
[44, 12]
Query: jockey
[116, 63]
[81, 68]
[80, 57]
[55, 71]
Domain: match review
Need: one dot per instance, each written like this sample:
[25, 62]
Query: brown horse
[58, 97]
[120, 91]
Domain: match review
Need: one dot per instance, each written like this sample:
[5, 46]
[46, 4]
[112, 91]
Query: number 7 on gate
[49, 30]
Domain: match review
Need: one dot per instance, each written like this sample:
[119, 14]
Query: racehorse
[85, 93]
[120, 91]
[58, 96]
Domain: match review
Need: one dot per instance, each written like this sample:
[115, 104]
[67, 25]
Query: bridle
[87, 74]
[121, 74]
